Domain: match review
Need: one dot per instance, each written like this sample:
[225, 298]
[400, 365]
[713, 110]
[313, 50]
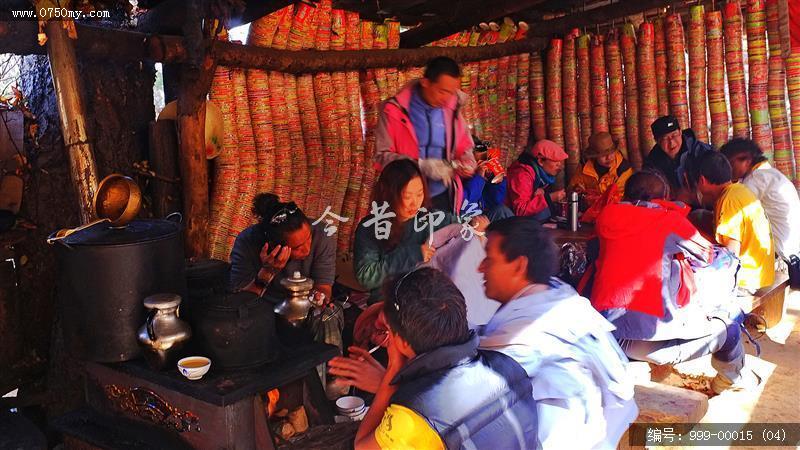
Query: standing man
[424, 122]
[675, 155]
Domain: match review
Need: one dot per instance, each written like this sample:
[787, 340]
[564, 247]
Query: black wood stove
[223, 410]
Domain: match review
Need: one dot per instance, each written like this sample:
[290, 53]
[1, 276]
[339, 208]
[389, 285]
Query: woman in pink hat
[530, 178]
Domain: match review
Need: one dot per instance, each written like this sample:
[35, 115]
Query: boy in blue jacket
[490, 197]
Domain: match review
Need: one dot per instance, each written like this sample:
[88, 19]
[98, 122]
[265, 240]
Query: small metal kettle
[295, 308]
[163, 333]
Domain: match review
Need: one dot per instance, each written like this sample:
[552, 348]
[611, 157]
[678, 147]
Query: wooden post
[195, 83]
[164, 162]
[171, 77]
[63, 65]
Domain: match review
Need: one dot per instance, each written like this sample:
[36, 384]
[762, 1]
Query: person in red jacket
[668, 291]
[530, 178]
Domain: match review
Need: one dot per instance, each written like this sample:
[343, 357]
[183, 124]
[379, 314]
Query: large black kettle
[235, 330]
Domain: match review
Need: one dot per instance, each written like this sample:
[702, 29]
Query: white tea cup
[194, 367]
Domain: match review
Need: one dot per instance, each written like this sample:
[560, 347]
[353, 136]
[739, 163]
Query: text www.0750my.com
[58, 14]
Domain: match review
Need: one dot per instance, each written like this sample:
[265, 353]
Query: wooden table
[584, 233]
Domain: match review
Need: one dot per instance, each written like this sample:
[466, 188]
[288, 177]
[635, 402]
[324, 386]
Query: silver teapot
[163, 333]
[295, 308]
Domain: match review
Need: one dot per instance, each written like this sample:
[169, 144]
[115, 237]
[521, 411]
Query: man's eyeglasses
[283, 214]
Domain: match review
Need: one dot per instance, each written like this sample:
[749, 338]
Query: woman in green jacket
[397, 239]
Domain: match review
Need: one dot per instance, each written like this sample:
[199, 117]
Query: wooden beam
[310, 61]
[462, 15]
[196, 74]
[105, 43]
[256, 9]
[71, 112]
[549, 7]
[19, 37]
[597, 16]
[166, 17]
[401, 5]
[194, 87]
[392, 9]
[163, 160]
[169, 16]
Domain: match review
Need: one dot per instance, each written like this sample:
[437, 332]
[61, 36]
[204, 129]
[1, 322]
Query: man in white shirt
[777, 194]
[583, 394]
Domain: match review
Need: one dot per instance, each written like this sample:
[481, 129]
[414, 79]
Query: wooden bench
[768, 301]
[660, 403]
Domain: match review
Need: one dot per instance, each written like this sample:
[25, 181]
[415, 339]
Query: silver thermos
[573, 211]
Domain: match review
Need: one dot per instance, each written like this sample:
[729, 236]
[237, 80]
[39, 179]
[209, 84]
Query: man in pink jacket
[423, 122]
[530, 177]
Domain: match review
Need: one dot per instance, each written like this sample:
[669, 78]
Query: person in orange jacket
[605, 167]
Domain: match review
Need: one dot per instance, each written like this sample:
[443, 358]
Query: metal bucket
[105, 273]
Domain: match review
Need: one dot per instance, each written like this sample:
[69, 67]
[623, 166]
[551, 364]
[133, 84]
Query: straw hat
[600, 144]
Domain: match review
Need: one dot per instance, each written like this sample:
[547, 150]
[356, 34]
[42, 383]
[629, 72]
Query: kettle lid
[136, 232]
[162, 301]
[297, 282]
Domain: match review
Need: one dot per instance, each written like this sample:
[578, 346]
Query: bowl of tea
[194, 367]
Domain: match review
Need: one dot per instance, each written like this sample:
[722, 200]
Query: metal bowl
[118, 199]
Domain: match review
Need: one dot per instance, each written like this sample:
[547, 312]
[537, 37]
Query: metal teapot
[163, 333]
[295, 308]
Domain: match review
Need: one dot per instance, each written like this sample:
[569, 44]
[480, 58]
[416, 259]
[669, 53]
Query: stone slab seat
[768, 301]
[660, 403]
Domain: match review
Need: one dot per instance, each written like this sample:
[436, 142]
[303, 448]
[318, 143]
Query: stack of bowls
[351, 407]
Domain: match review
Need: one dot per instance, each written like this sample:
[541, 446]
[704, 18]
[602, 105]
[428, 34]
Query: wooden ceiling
[423, 21]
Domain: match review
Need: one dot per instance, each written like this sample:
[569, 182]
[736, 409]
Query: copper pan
[118, 199]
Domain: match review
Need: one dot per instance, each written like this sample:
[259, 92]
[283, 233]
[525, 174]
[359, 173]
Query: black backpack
[794, 271]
